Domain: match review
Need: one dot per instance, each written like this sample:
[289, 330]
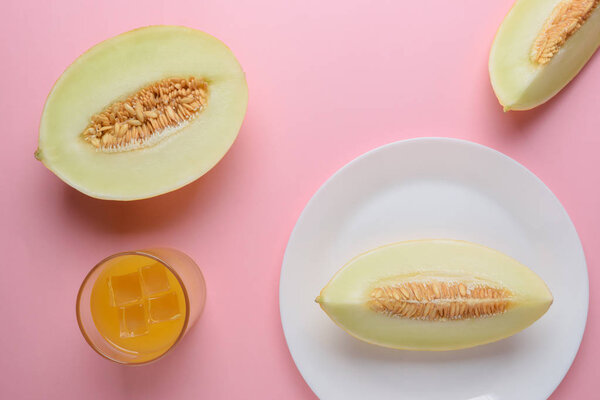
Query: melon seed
[434, 300]
[566, 19]
[146, 115]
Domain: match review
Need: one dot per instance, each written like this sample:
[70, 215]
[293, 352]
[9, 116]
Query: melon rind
[117, 68]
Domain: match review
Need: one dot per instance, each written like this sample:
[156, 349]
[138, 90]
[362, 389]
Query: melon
[143, 113]
[540, 46]
[434, 295]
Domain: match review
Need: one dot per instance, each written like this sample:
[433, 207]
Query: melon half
[143, 113]
[540, 46]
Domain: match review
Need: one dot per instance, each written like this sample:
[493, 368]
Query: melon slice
[143, 113]
[434, 295]
[540, 47]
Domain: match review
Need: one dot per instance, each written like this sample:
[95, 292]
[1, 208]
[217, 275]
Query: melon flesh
[348, 297]
[120, 67]
[519, 82]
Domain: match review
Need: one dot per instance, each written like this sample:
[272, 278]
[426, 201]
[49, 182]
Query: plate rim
[447, 140]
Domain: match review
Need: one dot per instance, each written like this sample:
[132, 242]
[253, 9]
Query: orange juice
[138, 306]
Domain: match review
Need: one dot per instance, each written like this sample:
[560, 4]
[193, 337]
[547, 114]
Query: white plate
[433, 188]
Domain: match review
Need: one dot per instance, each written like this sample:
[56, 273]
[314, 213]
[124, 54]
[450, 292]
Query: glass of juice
[133, 307]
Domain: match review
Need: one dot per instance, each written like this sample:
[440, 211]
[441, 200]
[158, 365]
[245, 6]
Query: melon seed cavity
[566, 19]
[148, 115]
[434, 300]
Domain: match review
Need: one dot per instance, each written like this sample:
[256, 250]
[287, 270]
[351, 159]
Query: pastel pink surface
[328, 81]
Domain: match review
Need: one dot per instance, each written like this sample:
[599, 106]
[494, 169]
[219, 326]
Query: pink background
[328, 81]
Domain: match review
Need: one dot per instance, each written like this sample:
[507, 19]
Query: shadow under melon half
[143, 113]
[434, 295]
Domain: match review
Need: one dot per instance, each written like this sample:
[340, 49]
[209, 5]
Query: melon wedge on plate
[434, 295]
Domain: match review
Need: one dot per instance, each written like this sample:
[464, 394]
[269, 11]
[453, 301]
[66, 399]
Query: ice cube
[164, 307]
[125, 289]
[134, 320]
[155, 279]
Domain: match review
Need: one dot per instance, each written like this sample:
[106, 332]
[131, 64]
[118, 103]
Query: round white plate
[433, 188]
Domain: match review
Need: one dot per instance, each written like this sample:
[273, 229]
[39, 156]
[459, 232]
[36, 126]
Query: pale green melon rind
[520, 84]
[345, 297]
[119, 67]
